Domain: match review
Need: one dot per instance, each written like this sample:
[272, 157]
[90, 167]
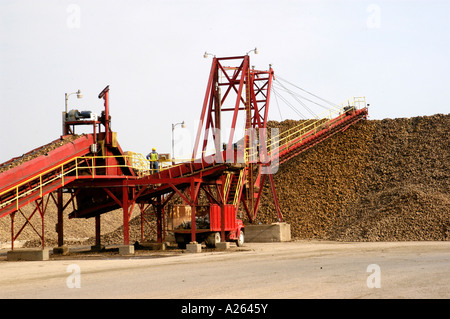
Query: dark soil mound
[380, 180]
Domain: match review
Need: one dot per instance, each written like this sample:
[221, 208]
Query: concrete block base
[194, 247]
[27, 254]
[276, 232]
[153, 246]
[223, 245]
[97, 247]
[61, 250]
[126, 250]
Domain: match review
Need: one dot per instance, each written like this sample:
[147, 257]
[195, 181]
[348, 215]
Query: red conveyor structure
[97, 176]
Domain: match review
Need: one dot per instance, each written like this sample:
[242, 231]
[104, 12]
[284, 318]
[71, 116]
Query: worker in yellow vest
[153, 157]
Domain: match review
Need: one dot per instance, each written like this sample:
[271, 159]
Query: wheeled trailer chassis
[208, 228]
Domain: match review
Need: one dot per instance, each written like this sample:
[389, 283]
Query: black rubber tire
[212, 240]
[241, 239]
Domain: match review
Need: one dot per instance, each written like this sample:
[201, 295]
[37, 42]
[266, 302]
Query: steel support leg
[126, 218]
[193, 202]
[60, 225]
[159, 214]
[12, 229]
[275, 198]
[97, 231]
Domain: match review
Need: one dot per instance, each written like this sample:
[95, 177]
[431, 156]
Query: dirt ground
[289, 270]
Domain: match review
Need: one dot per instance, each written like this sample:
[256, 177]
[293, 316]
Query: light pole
[206, 55]
[78, 93]
[173, 146]
[254, 50]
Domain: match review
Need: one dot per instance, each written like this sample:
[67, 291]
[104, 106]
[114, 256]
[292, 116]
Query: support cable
[316, 96]
[278, 106]
[281, 86]
[298, 100]
[282, 98]
[297, 96]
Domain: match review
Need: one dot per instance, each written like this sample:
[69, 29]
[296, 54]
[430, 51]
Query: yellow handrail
[310, 125]
[238, 187]
[226, 186]
[136, 162]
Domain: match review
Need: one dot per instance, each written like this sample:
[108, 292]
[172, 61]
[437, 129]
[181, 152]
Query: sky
[395, 53]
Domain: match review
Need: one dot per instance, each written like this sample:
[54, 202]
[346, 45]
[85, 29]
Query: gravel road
[299, 269]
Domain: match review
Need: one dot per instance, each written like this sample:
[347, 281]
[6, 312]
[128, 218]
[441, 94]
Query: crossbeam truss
[245, 93]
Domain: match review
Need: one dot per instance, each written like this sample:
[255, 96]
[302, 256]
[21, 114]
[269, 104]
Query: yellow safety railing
[282, 140]
[238, 187]
[40, 185]
[72, 169]
[226, 186]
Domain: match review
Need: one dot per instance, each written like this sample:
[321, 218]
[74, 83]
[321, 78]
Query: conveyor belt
[41, 175]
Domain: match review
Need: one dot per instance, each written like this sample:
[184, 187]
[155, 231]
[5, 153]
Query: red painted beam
[39, 165]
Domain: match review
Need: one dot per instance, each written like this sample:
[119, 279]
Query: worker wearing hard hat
[153, 157]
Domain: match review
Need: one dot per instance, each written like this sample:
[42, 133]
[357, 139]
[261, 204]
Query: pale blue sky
[396, 53]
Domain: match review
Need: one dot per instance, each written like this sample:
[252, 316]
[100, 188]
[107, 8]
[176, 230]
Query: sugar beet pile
[380, 180]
